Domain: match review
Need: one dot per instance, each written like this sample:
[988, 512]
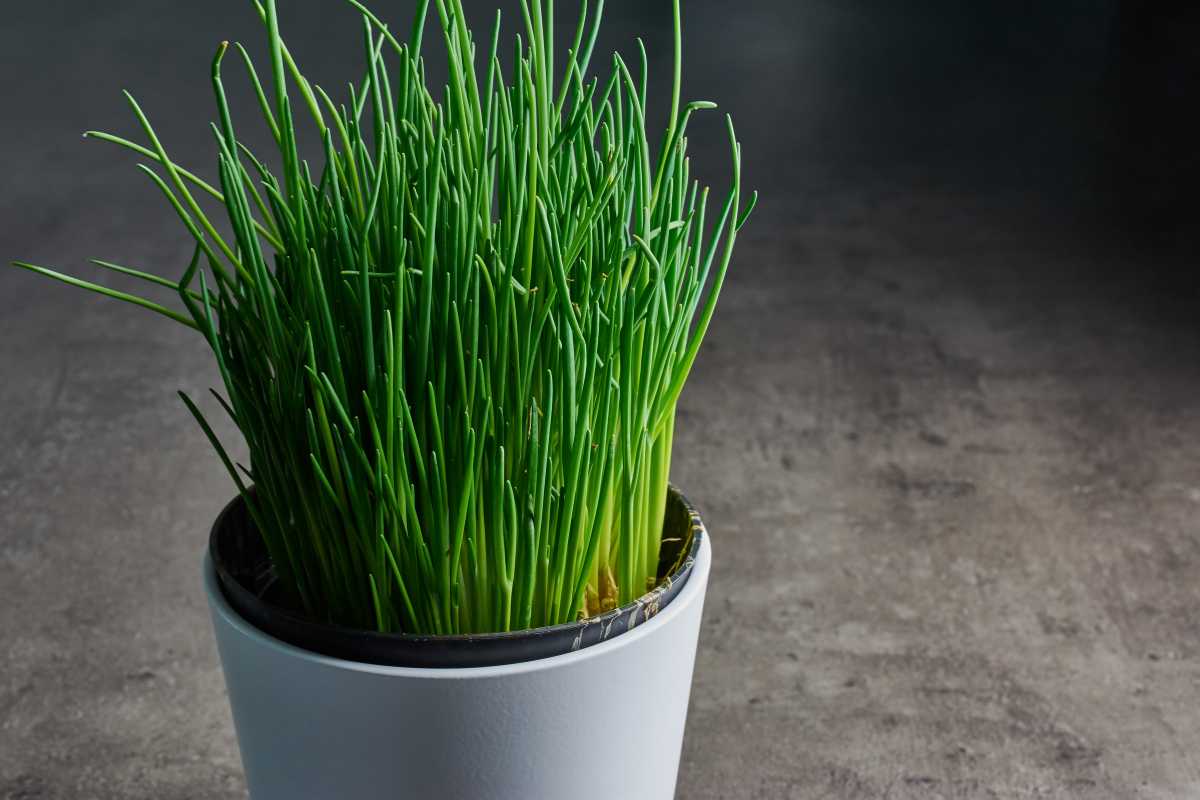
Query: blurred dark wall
[1153, 85]
[1079, 108]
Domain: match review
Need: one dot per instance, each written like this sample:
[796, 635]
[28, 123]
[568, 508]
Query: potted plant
[454, 566]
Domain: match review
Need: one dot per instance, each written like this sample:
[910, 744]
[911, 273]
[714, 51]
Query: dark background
[943, 430]
[1075, 112]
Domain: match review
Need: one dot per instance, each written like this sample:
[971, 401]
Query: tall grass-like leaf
[455, 353]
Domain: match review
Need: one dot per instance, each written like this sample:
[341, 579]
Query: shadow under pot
[589, 710]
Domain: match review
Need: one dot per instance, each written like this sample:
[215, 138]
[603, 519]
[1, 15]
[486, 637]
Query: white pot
[602, 723]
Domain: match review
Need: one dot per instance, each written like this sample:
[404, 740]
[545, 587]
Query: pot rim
[455, 651]
[691, 592]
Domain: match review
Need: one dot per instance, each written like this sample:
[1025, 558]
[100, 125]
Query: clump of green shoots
[455, 352]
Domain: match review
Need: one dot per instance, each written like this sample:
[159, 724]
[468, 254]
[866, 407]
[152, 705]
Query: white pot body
[602, 723]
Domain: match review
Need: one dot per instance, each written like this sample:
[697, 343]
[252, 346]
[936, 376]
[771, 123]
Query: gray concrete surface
[944, 432]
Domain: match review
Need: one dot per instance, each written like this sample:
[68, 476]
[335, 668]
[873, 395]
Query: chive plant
[455, 350]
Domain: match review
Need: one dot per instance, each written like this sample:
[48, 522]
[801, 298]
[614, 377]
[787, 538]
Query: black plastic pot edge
[245, 577]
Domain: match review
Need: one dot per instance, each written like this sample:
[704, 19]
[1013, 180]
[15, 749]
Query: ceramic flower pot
[593, 710]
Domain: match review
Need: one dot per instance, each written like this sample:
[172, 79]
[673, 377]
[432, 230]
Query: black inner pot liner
[248, 582]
